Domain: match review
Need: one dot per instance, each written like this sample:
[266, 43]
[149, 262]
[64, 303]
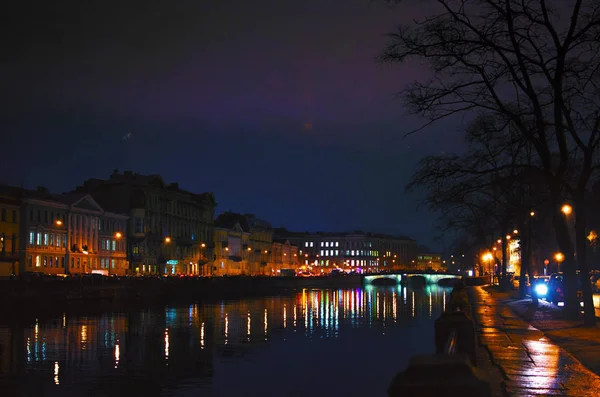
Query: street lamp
[566, 209]
[167, 240]
[118, 235]
[58, 222]
[532, 213]
[559, 257]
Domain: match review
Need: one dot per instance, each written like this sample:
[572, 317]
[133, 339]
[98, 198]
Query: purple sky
[216, 95]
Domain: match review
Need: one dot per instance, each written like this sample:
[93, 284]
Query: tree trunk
[563, 238]
[504, 276]
[589, 313]
[525, 257]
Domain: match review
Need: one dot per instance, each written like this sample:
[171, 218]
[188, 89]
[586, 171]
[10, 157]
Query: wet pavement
[530, 363]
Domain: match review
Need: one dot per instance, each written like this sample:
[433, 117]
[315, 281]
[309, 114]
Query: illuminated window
[31, 238]
[337, 252]
[114, 245]
[326, 252]
[352, 262]
[322, 245]
[38, 239]
[352, 253]
[322, 252]
[306, 243]
[38, 261]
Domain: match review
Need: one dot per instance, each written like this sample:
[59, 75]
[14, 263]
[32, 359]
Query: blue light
[541, 289]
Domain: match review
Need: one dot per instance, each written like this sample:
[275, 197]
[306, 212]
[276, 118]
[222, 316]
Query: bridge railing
[452, 369]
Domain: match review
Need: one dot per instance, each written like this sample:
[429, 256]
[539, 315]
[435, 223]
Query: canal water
[319, 342]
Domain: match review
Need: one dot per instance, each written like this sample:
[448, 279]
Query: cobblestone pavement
[530, 364]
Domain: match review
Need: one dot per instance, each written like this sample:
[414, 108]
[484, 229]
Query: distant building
[244, 245]
[62, 234]
[360, 251]
[10, 202]
[429, 261]
[170, 230]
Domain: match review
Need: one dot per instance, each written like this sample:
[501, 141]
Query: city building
[68, 234]
[10, 202]
[170, 230]
[284, 257]
[356, 251]
[243, 245]
[429, 261]
[231, 249]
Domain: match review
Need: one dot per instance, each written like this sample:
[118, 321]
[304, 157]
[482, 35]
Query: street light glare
[559, 256]
[118, 235]
[515, 231]
[532, 213]
[167, 240]
[58, 222]
[567, 209]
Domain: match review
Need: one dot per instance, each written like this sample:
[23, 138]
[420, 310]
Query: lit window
[352, 262]
[31, 238]
[306, 243]
[322, 245]
[326, 252]
[322, 252]
[327, 244]
[114, 245]
[38, 239]
[311, 243]
[37, 261]
[352, 253]
[336, 252]
[337, 243]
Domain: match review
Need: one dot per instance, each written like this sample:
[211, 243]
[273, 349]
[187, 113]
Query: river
[320, 342]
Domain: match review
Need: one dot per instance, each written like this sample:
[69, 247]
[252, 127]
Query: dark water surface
[319, 342]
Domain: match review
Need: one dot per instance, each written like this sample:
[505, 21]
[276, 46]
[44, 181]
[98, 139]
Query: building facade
[429, 261]
[357, 251]
[284, 257]
[10, 202]
[64, 234]
[170, 230]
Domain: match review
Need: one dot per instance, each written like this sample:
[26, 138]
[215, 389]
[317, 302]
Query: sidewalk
[530, 363]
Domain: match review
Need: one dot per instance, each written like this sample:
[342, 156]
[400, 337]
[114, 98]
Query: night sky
[278, 107]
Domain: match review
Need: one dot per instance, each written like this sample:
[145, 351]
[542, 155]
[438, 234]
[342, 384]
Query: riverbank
[128, 291]
[583, 342]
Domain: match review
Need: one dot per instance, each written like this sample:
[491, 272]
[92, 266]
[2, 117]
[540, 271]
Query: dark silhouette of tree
[485, 191]
[534, 66]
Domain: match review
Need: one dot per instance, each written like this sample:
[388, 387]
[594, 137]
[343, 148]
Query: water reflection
[197, 344]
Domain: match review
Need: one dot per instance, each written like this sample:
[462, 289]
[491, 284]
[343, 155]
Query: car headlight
[541, 289]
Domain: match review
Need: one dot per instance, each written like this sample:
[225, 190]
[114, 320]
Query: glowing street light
[532, 213]
[508, 236]
[566, 209]
[167, 240]
[499, 241]
[203, 245]
[118, 235]
[515, 231]
[559, 256]
[58, 222]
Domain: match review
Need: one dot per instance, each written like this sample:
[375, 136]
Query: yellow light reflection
[546, 356]
[295, 316]
[226, 327]
[202, 336]
[83, 336]
[412, 297]
[266, 323]
[56, 370]
[248, 325]
[64, 320]
[284, 316]
[167, 344]
[430, 304]
[444, 302]
[117, 354]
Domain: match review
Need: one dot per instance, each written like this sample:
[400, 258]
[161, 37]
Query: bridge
[430, 278]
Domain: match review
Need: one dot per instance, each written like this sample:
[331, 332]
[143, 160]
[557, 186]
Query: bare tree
[533, 64]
